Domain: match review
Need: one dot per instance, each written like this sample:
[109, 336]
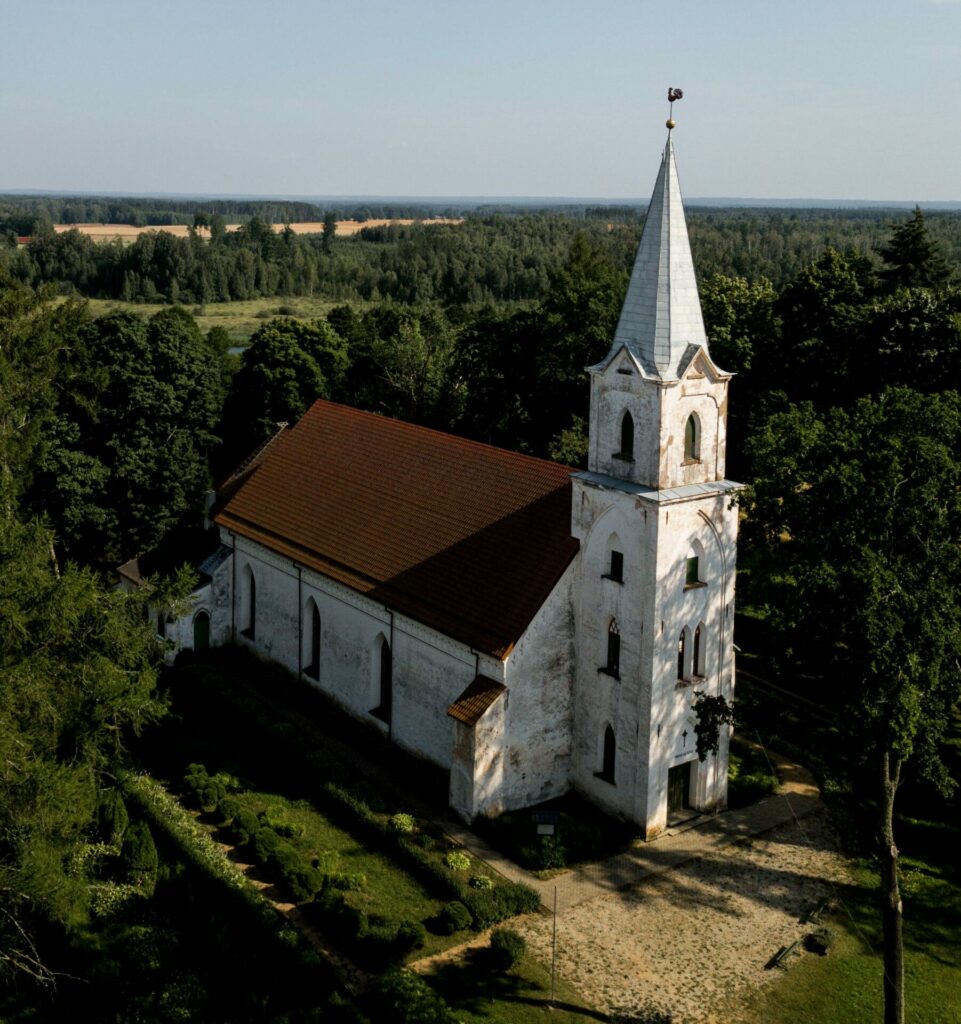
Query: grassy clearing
[240, 319]
[521, 996]
[749, 776]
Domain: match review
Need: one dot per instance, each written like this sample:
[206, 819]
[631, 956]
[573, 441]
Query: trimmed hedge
[507, 948]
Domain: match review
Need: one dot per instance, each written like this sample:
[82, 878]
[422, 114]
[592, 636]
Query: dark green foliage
[244, 826]
[507, 948]
[912, 259]
[402, 997]
[138, 856]
[711, 715]
[507, 899]
[228, 808]
[453, 917]
[411, 935]
[112, 817]
[124, 461]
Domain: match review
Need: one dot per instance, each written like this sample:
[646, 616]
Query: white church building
[531, 628]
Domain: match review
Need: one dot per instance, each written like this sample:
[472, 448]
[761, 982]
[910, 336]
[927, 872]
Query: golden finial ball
[671, 122]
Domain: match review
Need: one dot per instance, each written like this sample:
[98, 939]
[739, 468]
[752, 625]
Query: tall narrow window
[681, 655]
[692, 572]
[692, 439]
[313, 667]
[609, 757]
[162, 625]
[250, 629]
[697, 653]
[613, 666]
[627, 437]
[383, 709]
[616, 569]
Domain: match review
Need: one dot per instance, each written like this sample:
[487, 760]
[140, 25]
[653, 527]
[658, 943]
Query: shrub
[244, 826]
[346, 881]
[112, 817]
[453, 917]
[507, 948]
[195, 779]
[481, 882]
[264, 844]
[210, 795]
[138, 857]
[411, 935]
[457, 860]
[505, 900]
[228, 808]
[819, 941]
[402, 824]
[402, 997]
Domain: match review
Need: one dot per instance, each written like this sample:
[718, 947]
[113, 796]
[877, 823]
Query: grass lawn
[475, 994]
[845, 986]
[240, 318]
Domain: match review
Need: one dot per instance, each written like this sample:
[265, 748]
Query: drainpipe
[300, 623]
[233, 592]
[390, 710]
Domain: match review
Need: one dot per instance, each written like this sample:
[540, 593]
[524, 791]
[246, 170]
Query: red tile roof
[475, 700]
[460, 536]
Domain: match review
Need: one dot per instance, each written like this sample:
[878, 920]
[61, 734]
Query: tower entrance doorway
[678, 792]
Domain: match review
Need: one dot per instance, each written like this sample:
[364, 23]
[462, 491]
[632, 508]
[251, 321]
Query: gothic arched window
[682, 655]
[385, 682]
[698, 653]
[613, 666]
[692, 439]
[627, 437]
[609, 756]
[249, 605]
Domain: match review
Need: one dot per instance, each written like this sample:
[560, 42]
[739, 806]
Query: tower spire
[661, 315]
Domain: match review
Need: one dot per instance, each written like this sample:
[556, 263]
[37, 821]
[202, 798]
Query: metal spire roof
[661, 315]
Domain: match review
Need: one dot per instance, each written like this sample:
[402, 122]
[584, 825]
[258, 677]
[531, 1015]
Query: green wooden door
[678, 787]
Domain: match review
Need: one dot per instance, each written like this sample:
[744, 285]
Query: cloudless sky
[783, 98]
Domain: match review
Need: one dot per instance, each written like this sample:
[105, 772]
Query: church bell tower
[658, 532]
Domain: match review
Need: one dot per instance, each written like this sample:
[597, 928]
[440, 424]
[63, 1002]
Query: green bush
[138, 857]
[402, 997]
[227, 809]
[210, 795]
[244, 826]
[488, 907]
[112, 817]
[411, 935]
[264, 844]
[457, 860]
[453, 917]
[401, 823]
[507, 948]
[346, 881]
[481, 882]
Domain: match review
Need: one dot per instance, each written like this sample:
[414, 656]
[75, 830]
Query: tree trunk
[891, 909]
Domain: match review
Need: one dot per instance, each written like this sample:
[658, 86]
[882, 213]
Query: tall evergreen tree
[913, 260]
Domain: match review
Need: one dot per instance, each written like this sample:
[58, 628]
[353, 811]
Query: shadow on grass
[472, 984]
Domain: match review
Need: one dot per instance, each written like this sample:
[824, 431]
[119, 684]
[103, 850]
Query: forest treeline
[491, 258]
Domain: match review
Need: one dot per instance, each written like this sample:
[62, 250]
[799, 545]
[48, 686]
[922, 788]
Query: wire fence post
[554, 949]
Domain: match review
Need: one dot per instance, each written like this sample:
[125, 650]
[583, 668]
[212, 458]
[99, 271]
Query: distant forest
[502, 257]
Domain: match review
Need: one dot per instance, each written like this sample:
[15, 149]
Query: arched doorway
[201, 631]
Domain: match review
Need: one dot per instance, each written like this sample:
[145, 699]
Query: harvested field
[129, 233]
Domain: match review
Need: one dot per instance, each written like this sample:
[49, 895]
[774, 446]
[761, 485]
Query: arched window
[627, 437]
[609, 757]
[201, 631]
[313, 640]
[692, 439]
[383, 709]
[681, 654]
[613, 666]
[162, 625]
[698, 653]
[249, 606]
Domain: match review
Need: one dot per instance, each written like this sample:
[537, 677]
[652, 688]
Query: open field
[240, 319]
[129, 233]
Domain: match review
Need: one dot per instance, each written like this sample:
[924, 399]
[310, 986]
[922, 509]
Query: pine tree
[913, 260]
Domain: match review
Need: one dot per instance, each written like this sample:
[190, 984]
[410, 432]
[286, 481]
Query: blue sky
[783, 98]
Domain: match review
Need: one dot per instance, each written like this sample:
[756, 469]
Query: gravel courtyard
[691, 941]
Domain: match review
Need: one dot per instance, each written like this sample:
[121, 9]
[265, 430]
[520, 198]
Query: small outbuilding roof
[475, 700]
[463, 537]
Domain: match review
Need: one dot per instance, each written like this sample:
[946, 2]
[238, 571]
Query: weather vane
[672, 95]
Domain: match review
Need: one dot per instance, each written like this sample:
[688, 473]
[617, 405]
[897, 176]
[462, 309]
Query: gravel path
[689, 942]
